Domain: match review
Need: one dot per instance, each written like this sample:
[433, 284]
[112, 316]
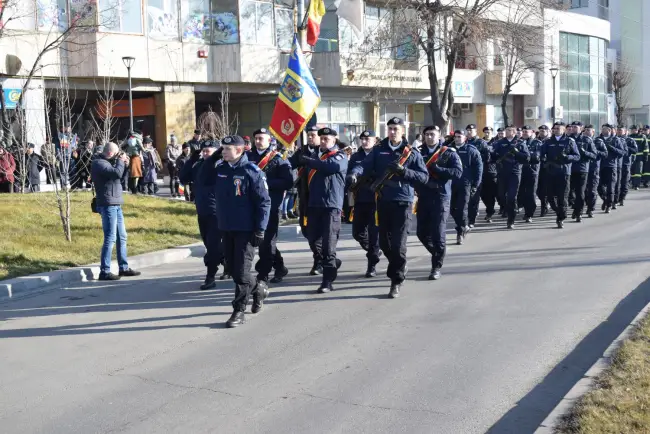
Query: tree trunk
[504, 104]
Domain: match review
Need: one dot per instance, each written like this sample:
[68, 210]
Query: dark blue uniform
[489, 188]
[434, 201]
[619, 170]
[474, 201]
[201, 174]
[326, 174]
[626, 171]
[463, 189]
[558, 155]
[279, 179]
[609, 169]
[510, 155]
[243, 208]
[529, 178]
[593, 180]
[580, 173]
[394, 203]
[364, 229]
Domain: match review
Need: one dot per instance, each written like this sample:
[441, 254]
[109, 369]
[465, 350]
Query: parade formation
[389, 182]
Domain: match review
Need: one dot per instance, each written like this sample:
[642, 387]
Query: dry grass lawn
[32, 240]
[620, 402]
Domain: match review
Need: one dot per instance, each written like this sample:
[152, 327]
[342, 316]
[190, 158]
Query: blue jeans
[113, 226]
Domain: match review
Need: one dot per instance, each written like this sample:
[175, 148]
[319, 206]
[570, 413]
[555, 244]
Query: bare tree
[219, 123]
[622, 79]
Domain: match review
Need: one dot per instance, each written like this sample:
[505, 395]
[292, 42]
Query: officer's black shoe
[560, 224]
[528, 220]
[603, 206]
[108, 276]
[636, 188]
[225, 276]
[543, 212]
[459, 240]
[260, 292]
[614, 206]
[325, 287]
[471, 225]
[236, 319]
[371, 271]
[435, 274]
[338, 263]
[210, 283]
[607, 210]
[579, 219]
[621, 203]
[316, 270]
[279, 275]
[488, 218]
[511, 225]
[394, 290]
[466, 230]
[574, 215]
[129, 273]
[590, 214]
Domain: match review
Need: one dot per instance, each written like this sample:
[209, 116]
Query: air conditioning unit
[531, 112]
[455, 111]
[559, 112]
[466, 107]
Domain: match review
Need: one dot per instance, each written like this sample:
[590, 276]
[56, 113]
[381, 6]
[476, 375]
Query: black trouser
[591, 191]
[211, 236]
[474, 201]
[527, 190]
[6, 187]
[133, 185]
[617, 185]
[323, 226]
[125, 180]
[578, 187]
[190, 187]
[316, 246]
[637, 172]
[432, 226]
[607, 185]
[645, 176]
[365, 231]
[489, 192]
[394, 220]
[173, 179]
[460, 195]
[508, 189]
[625, 183]
[239, 255]
[558, 191]
[541, 188]
[270, 256]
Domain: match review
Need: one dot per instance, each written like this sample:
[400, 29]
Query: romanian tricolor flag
[314, 17]
[297, 99]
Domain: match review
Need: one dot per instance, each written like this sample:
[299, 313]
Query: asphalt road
[517, 318]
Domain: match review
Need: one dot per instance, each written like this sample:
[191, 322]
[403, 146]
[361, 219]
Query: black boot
[325, 287]
[260, 293]
[459, 240]
[622, 202]
[338, 263]
[316, 269]
[590, 214]
[209, 283]
[279, 275]
[614, 205]
[236, 319]
[560, 224]
[225, 276]
[435, 274]
[371, 271]
[394, 290]
[606, 210]
[543, 212]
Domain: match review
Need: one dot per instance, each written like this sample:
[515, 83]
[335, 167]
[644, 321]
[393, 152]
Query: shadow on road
[533, 408]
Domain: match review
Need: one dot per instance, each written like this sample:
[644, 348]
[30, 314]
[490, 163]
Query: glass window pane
[573, 44]
[593, 84]
[574, 101]
[109, 15]
[584, 103]
[265, 24]
[131, 16]
[601, 84]
[574, 62]
[594, 103]
[602, 103]
[349, 42]
[225, 24]
[584, 63]
[593, 46]
[356, 112]
[583, 44]
[162, 19]
[195, 23]
[340, 111]
[563, 42]
[248, 12]
[329, 33]
[564, 100]
[601, 47]
[284, 27]
[593, 119]
[323, 112]
[584, 118]
[584, 83]
[573, 82]
[564, 61]
[564, 81]
[52, 15]
[83, 13]
[285, 3]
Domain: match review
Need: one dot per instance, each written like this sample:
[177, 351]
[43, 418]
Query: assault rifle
[378, 183]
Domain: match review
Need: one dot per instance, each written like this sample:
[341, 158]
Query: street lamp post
[128, 62]
[554, 72]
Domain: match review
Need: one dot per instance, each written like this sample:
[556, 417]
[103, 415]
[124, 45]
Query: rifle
[362, 181]
[303, 189]
[503, 157]
[377, 185]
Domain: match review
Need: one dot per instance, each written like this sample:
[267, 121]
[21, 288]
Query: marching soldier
[488, 189]
[510, 154]
[444, 166]
[279, 179]
[482, 147]
[529, 173]
[395, 168]
[558, 153]
[645, 176]
[619, 166]
[628, 161]
[543, 133]
[580, 169]
[641, 156]
[463, 189]
[326, 183]
[593, 179]
[313, 142]
[243, 207]
[200, 172]
[608, 166]
[364, 229]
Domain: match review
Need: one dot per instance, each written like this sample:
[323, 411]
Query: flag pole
[302, 40]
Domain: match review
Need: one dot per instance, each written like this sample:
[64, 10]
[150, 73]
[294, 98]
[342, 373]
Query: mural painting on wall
[162, 25]
[51, 15]
[196, 28]
[83, 12]
[226, 28]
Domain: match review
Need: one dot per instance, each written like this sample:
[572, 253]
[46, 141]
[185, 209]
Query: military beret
[634, 127]
[499, 130]
[31, 145]
[261, 131]
[209, 144]
[589, 126]
[543, 127]
[233, 140]
[607, 126]
[486, 129]
[576, 123]
[510, 126]
[327, 132]
[147, 140]
[395, 121]
[431, 128]
[197, 132]
[621, 127]
[185, 145]
[470, 127]
[460, 132]
[367, 134]
[313, 129]
[559, 124]
[647, 127]
[526, 127]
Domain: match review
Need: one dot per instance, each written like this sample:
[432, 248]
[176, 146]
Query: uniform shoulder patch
[338, 157]
[253, 166]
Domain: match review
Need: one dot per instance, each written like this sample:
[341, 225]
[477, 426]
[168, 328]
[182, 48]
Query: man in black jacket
[34, 166]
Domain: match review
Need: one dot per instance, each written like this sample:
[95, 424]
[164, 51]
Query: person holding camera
[107, 170]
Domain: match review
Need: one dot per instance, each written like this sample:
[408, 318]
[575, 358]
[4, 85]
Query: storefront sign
[463, 88]
[11, 97]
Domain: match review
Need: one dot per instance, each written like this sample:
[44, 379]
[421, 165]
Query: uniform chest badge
[237, 183]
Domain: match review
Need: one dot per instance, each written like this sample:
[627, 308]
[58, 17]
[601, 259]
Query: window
[328, 39]
[162, 19]
[260, 19]
[579, 3]
[52, 15]
[224, 22]
[210, 21]
[83, 12]
[124, 16]
[284, 24]
[196, 23]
